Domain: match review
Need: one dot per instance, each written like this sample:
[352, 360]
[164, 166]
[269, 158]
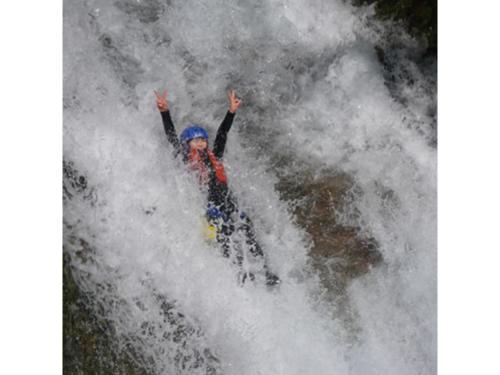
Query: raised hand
[234, 102]
[161, 101]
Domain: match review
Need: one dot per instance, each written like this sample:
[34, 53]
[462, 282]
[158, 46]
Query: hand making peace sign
[161, 101]
[234, 102]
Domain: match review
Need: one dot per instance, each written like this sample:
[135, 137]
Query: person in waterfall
[222, 210]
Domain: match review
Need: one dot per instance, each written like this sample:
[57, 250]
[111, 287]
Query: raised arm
[168, 125]
[225, 126]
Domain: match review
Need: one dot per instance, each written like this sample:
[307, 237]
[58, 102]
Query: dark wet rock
[399, 62]
[409, 64]
[338, 250]
[88, 342]
[418, 17]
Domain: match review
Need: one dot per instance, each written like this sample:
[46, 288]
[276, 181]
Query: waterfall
[314, 103]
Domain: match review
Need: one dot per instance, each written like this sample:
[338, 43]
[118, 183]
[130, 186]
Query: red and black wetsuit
[219, 195]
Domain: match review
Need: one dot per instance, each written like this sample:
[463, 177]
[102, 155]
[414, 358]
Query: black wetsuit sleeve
[168, 125]
[221, 137]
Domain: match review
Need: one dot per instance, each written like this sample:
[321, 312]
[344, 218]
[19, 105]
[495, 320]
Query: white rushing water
[311, 85]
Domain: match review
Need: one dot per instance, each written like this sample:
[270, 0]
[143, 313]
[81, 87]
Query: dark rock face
[418, 17]
[337, 248]
[331, 239]
[409, 64]
[339, 252]
[88, 342]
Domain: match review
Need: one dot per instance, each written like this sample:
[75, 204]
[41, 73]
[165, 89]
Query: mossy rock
[88, 343]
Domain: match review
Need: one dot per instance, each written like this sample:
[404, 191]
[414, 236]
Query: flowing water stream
[315, 105]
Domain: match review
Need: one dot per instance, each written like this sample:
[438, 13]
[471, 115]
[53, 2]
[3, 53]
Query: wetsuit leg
[228, 247]
[255, 249]
[237, 221]
[246, 227]
[223, 238]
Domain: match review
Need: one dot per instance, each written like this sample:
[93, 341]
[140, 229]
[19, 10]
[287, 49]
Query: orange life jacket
[196, 164]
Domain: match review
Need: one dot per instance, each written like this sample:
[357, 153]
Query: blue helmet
[191, 132]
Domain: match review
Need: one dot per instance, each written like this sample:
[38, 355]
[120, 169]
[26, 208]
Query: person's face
[198, 143]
